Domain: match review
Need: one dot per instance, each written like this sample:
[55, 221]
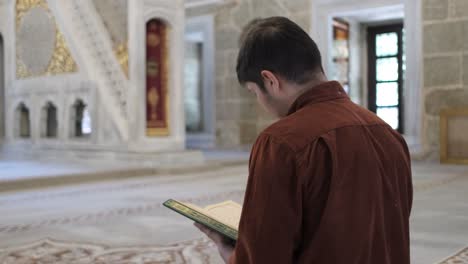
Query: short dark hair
[279, 45]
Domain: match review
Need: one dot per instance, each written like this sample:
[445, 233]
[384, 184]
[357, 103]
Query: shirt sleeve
[270, 225]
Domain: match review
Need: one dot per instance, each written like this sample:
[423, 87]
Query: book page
[228, 212]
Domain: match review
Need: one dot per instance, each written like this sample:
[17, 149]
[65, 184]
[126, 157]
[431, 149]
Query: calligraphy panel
[157, 123]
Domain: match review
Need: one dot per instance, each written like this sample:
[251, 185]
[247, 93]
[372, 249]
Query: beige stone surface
[443, 37]
[229, 22]
[297, 6]
[465, 34]
[457, 139]
[435, 9]
[303, 19]
[445, 32]
[440, 99]
[432, 133]
[227, 133]
[229, 89]
[248, 109]
[465, 71]
[441, 71]
[243, 13]
[227, 38]
[459, 8]
[248, 131]
[226, 111]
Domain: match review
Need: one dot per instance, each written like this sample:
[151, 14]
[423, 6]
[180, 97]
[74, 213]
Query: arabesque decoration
[61, 60]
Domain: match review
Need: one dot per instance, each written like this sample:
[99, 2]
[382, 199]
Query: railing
[94, 45]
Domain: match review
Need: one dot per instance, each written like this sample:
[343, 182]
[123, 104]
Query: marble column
[2, 92]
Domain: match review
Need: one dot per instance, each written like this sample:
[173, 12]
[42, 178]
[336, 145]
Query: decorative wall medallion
[153, 40]
[152, 68]
[40, 47]
[37, 29]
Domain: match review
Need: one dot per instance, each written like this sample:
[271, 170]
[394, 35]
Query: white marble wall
[115, 16]
[5, 72]
[173, 13]
[63, 90]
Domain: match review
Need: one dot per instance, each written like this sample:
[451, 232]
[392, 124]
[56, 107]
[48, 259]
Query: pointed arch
[157, 57]
[23, 122]
[49, 121]
[81, 125]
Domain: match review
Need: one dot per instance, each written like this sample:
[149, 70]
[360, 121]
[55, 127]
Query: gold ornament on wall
[153, 40]
[121, 51]
[61, 60]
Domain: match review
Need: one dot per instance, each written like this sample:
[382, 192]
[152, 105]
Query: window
[49, 121]
[23, 121]
[193, 87]
[199, 82]
[386, 70]
[81, 120]
[340, 53]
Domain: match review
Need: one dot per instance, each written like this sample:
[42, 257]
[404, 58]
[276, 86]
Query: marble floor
[123, 221]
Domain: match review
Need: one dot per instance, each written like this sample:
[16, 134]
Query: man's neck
[300, 89]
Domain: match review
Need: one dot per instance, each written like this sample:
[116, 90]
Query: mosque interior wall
[102, 68]
[445, 38]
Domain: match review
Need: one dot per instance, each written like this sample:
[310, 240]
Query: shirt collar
[323, 92]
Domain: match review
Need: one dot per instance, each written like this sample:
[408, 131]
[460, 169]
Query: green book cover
[202, 218]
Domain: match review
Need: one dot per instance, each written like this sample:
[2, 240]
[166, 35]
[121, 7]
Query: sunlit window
[82, 121]
[86, 127]
[386, 68]
[193, 100]
[340, 53]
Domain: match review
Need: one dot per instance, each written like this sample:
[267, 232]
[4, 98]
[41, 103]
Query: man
[329, 182]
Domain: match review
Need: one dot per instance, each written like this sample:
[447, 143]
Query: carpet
[199, 251]
[459, 258]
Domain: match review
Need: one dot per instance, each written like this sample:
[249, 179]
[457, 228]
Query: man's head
[277, 61]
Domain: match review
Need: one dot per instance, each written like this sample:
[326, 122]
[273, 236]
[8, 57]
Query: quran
[222, 217]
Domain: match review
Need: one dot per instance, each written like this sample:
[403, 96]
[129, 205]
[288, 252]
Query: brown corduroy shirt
[329, 183]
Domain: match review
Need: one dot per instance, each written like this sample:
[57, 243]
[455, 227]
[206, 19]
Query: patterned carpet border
[49, 250]
[426, 186]
[461, 257]
[115, 212]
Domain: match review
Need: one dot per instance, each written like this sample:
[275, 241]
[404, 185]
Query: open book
[223, 217]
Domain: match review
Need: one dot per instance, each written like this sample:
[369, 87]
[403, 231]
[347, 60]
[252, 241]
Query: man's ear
[270, 81]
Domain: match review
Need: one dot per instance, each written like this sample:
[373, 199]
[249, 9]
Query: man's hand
[224, 248]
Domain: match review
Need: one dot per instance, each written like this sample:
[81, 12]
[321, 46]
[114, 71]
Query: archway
[371, 13]
[157, 72]
[199, 83]
[23, 121]
[81, 125]
[49, 123]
